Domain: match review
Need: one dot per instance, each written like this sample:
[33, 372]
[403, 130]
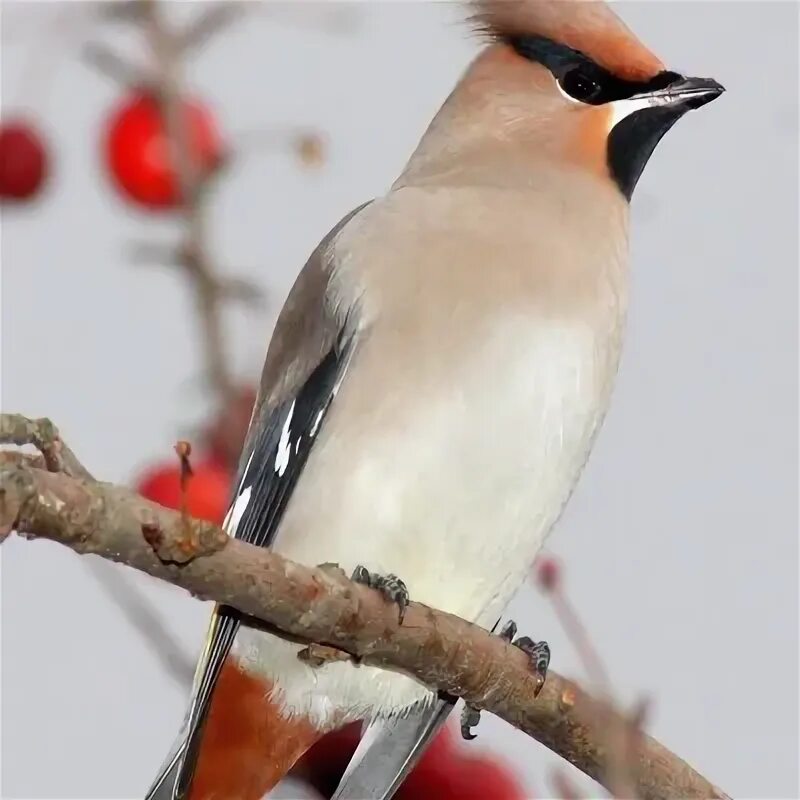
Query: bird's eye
[580, 86]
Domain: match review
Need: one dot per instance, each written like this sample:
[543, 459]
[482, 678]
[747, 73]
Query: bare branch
[209, 23]
[44, 436]
[57, 457]
[145, 620]
[243, 291]
[319, 605]
[12, 457]
[209, 299]
[115, 67]
[121, 10]
[619, 730]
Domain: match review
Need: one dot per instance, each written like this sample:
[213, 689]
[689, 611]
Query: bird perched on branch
[434, 385]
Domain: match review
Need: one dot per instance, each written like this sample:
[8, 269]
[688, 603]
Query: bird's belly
[452, 489]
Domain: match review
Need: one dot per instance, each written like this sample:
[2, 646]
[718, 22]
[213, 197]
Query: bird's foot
[470, 717]
[537, 652]
[390, 586]
[539, 655]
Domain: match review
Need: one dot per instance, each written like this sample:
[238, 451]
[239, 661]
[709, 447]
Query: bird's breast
[450, 472]
[481, 369]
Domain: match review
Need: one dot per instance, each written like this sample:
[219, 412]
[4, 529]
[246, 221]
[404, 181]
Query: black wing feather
[281, 445]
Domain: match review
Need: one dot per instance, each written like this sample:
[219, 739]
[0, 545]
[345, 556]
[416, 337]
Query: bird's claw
[539, 655]
[537, 652]
[390, 586]
[470, 717]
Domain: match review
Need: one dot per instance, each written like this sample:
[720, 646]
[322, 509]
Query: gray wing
[389, 750]
[305, 362]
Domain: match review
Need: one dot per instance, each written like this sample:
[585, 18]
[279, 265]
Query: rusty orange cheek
[247, 745]
[588, 146]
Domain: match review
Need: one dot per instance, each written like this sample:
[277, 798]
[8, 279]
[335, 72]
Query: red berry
[480, 778]
[207, 490]
[323, 765]
[444, 772]
[138, 154]
[548, 573]
[23, 161]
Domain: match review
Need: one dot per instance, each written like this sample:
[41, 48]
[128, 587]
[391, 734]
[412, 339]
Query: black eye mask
[580, 77]
[632, 140]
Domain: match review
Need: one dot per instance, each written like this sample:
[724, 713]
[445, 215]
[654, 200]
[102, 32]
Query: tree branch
[120, 70]
[213, 19]
[44, 436]
[166, 47]
[55, 456]
[320, 605]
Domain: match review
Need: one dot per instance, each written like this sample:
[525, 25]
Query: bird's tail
[389, 750]
[235, 744]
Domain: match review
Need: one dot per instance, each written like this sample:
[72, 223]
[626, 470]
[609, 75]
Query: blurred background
[679, 549]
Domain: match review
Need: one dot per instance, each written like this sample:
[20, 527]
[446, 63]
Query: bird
[434, 385]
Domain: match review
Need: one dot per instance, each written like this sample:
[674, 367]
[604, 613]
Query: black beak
[658, 106]
[688, 92]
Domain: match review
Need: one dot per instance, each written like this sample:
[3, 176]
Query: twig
[211, 291]
[209, 299]
[57, 457]
[115, 67]
[143, 618]
[564, 785]
[121, 10]
[13, 458]
[44, 436]
[235, 288]
[621, 732]
[615, 728]
[209, 23]
[322, 606]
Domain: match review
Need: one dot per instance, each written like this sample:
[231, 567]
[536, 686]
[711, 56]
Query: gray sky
[681, 542]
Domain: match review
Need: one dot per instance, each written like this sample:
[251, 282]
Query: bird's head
[567, 80]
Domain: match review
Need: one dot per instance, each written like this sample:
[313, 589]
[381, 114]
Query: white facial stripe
[624, 108]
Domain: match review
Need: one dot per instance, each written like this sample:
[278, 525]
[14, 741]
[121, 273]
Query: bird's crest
[588, 26]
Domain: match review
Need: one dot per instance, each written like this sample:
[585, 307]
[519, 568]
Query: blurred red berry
[226, 433]
[138, 154]
[323, 765]
[23, 161]
[436, 774]
[480, 778]
[548, 573]
[207, 490]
